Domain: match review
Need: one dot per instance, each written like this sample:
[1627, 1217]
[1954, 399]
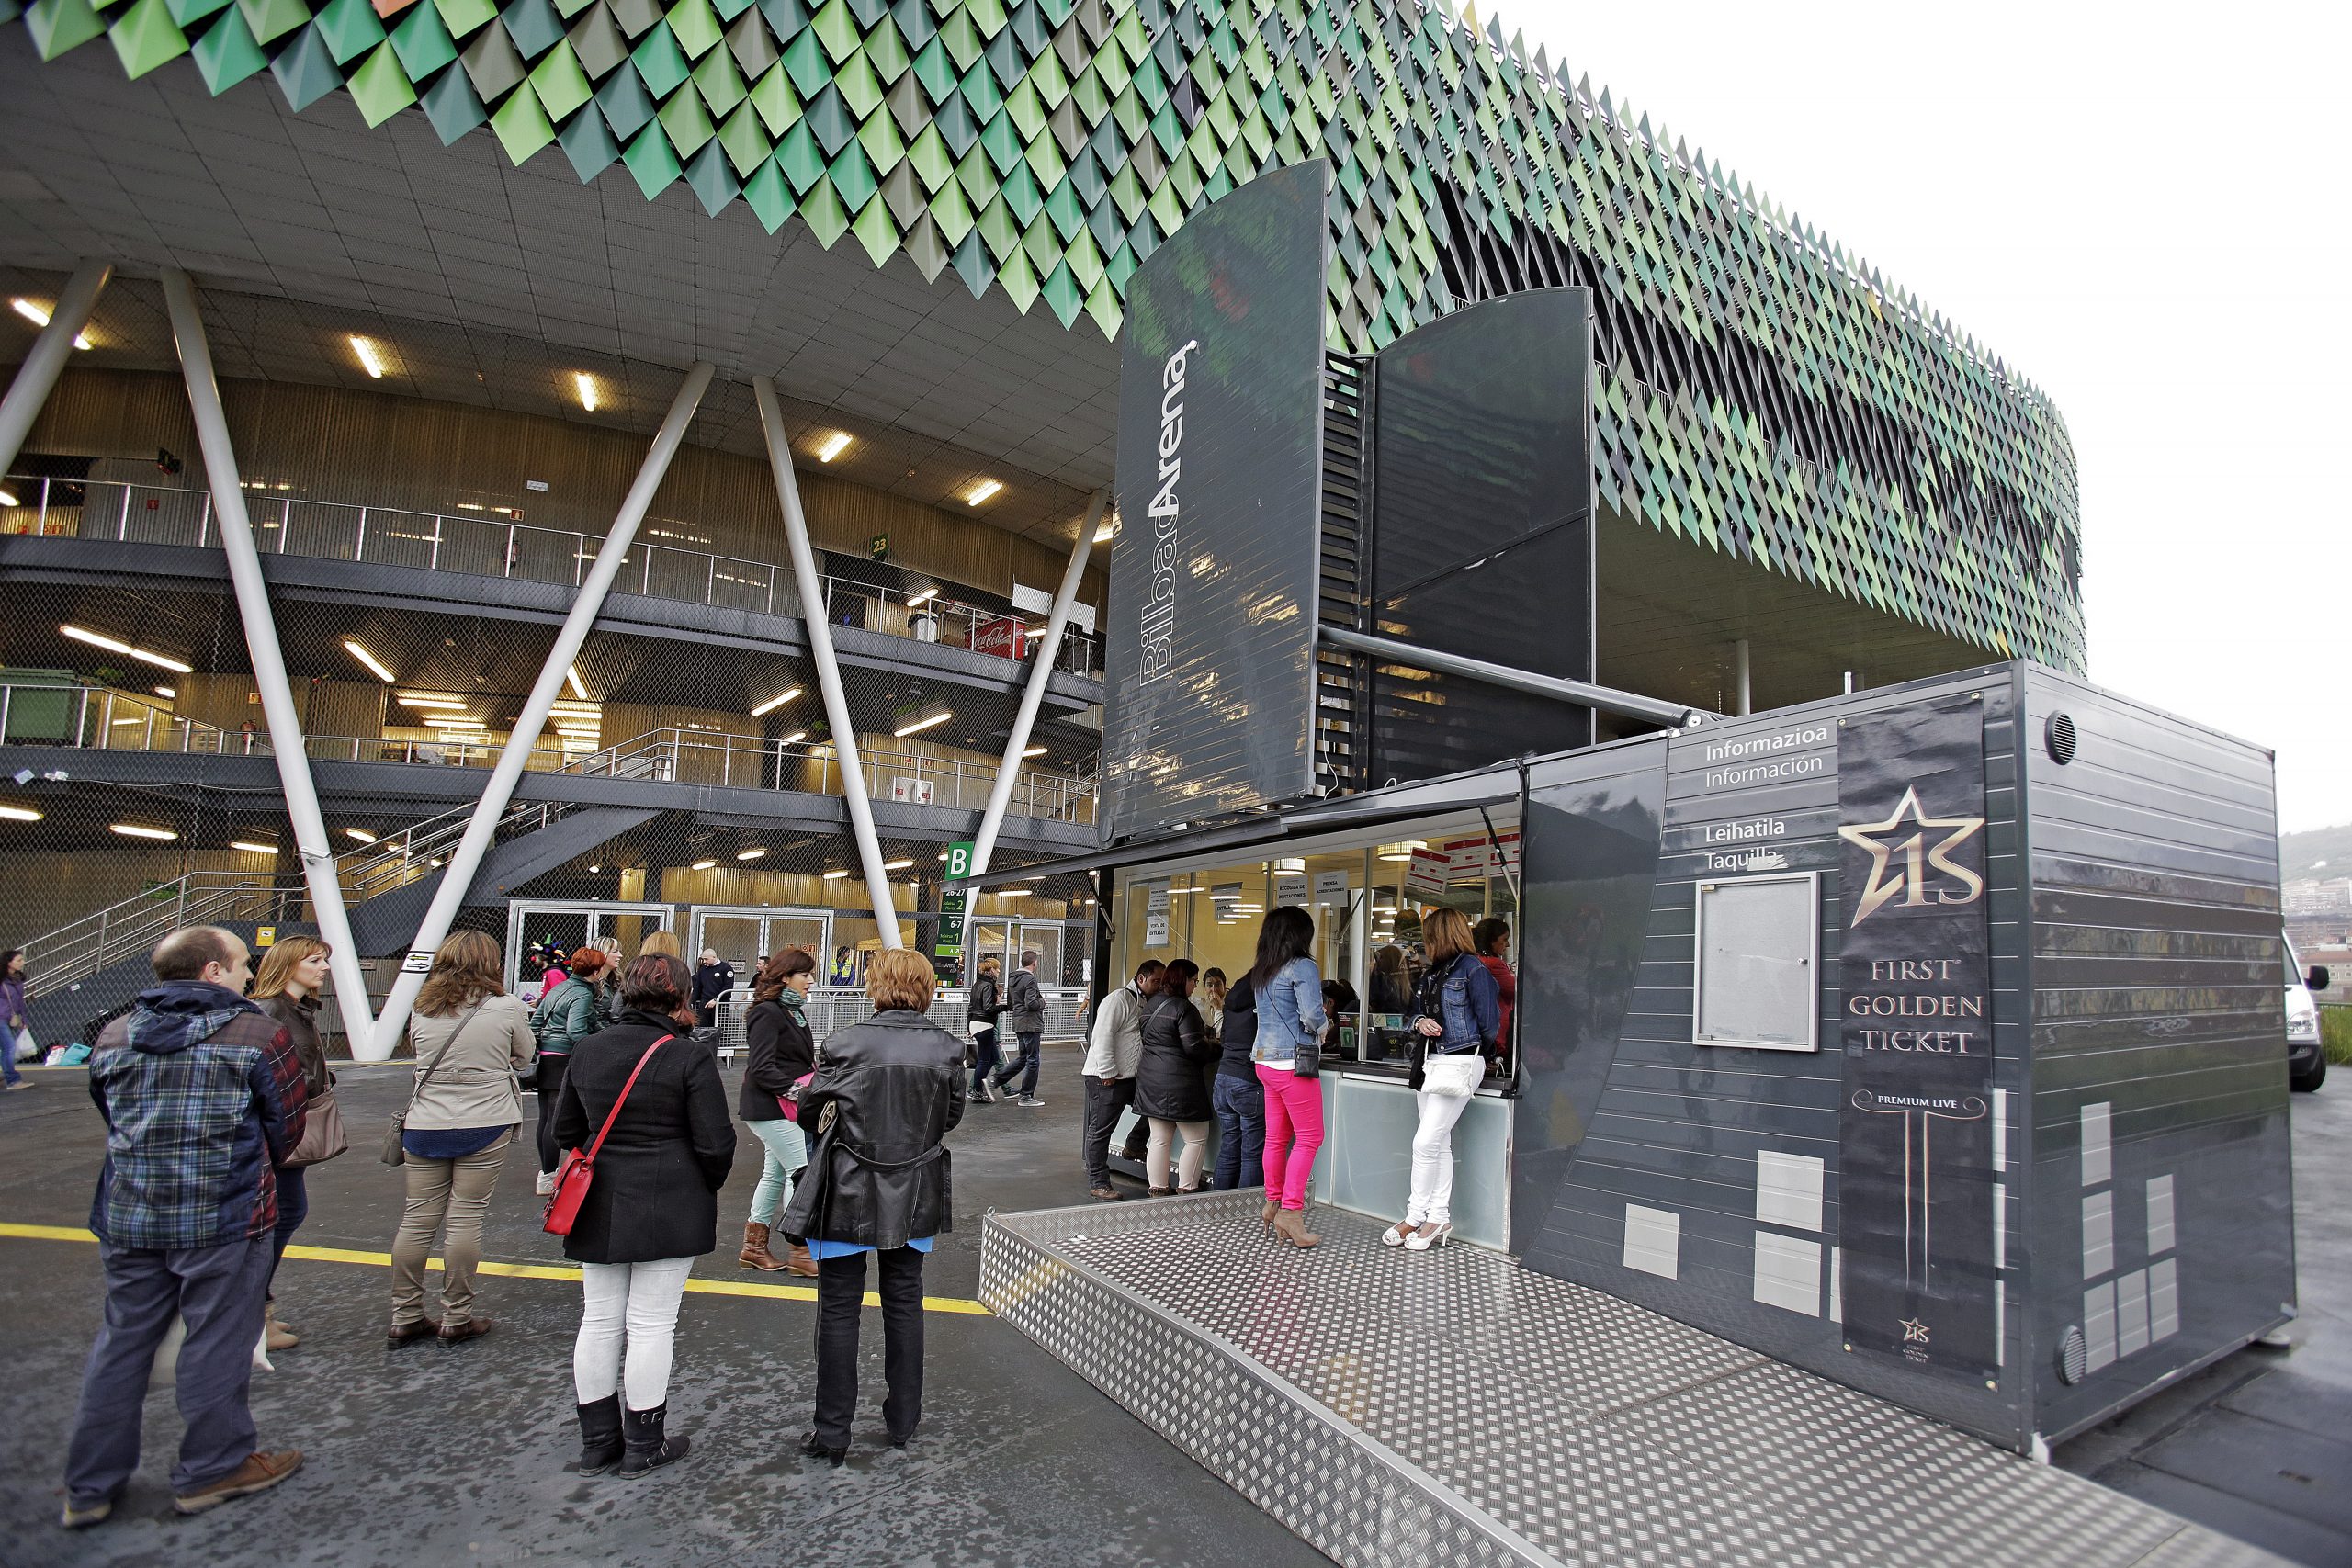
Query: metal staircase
[130, 928]
[1342, 680]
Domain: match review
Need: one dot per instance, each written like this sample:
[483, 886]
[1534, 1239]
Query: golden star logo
[1911, 880]
[1913, 1333]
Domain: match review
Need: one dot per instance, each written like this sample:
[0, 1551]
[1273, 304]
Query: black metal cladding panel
[1678, 1127]
[1211, 646]
[1481, 531]
[2159, 973]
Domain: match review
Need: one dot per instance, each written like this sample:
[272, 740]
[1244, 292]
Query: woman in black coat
[1168, 1090]
[651, 1210]
[885, 1095]
[783, 1052]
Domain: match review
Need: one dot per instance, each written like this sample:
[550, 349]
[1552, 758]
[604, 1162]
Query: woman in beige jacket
[472, 1042]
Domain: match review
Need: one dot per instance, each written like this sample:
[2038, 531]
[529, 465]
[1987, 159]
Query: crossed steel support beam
[310, 843]
[828, 671]
[465, 859]
[1033, 694]
[37, 376]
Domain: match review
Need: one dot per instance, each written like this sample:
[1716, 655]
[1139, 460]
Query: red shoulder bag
[577, 1169]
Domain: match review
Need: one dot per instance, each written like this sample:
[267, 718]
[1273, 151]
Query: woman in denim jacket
[1457, 1015]
[1289, 991]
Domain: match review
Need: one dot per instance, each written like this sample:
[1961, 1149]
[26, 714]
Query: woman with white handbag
[19, 1040]
[1456, 1016]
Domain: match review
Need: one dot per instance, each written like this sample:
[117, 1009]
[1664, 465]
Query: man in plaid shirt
[202, 1096]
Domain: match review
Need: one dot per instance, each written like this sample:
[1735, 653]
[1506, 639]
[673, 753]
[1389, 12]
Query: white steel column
[457, 877]
[269, 663]
[828, 673]
[1057, 621]
[37, 376]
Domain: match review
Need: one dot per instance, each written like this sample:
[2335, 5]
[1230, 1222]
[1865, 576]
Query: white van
[2306, 1062]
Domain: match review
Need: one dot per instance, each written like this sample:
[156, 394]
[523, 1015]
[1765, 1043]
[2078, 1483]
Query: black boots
[646, 1448]
[600, 1435]
[814, 1447]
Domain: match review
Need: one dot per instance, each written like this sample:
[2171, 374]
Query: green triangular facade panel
[522, 125]
[351, 28]
[421, 40]
[559, 82]
[651, 162]
[226, 53]
[588, 142]
[379, 87]
[463, 16]
[305, 70]
[145, 35]
[452, 105]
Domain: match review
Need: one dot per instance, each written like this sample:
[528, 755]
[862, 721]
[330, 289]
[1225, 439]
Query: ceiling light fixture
[981, 491]
[835, 876]
[776, 701]
[1403, 851]
[1012, 893]
[38, 314]
[8, 497]
[167, 691]
[454, 703]
[368, 659]
[929, 717]
[572, 673]
[587, 385]
[133, 831]
[94, 641]
[703, 865]
[362, 834]
[369, 361]
[1035, 751]
[754, 853]
[253, 848]
[832, 446]
[1104, 535]
[454, 722]
[897, 864]
[594, 869]
[927, 594]
[796, 735]
[19, 814]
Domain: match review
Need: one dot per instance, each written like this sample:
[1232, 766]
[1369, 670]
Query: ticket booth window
[1758, 981]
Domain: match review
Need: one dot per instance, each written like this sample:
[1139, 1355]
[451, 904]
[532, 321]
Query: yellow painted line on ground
[951, 1304]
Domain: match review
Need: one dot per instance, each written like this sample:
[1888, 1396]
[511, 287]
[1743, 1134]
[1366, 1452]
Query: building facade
[454, 254]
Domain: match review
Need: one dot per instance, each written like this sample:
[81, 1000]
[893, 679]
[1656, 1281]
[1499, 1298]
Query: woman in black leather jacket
[1168, 1090]
[885, 1095]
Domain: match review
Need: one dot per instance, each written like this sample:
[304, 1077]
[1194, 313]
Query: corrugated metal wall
[2162, 1224]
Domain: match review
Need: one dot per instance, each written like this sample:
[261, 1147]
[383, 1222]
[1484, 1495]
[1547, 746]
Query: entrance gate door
[572, 926]
[743, 934]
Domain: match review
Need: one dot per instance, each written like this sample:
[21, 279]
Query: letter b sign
[959, 860]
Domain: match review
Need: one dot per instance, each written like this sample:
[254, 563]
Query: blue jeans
[985, 1057]
[787, 1151]
[219, 1289]
[1240, 1105]
[293, 1208]
[1027, 1063]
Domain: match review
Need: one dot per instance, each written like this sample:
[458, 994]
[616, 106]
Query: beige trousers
[1188, 1163]
[458, 1190]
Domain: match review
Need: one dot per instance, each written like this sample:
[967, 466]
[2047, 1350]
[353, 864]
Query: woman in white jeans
[651, 1210]
[1457, 1013]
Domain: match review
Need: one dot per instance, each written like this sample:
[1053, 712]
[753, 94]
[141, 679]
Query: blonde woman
[885, 1093]
[292, 975]
[664, 942]
[472, 1042]
[1456, 1019]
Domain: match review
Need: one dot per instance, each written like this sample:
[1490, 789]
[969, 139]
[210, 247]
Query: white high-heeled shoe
[1423, 1240]
[1395, 1235]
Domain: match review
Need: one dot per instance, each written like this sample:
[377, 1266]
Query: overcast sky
[2142, 208]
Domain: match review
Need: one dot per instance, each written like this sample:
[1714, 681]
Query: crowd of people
[218, 1101]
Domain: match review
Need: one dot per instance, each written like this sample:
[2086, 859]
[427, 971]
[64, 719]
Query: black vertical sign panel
[1212, 621]
[1915, 1160]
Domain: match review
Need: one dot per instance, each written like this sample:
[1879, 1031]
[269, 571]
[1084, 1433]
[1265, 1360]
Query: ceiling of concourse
[486, 284]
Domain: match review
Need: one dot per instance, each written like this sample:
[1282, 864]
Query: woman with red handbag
[651, 1101]
[783, 1052]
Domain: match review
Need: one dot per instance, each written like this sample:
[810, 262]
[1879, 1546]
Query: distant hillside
[2300, 853]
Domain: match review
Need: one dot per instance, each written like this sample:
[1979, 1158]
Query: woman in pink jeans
[1290, 1027]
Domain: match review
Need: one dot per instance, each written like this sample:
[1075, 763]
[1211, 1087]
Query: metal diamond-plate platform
[1451, 1408]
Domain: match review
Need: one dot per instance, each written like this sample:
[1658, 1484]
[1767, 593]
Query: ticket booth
[1926, 1037]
